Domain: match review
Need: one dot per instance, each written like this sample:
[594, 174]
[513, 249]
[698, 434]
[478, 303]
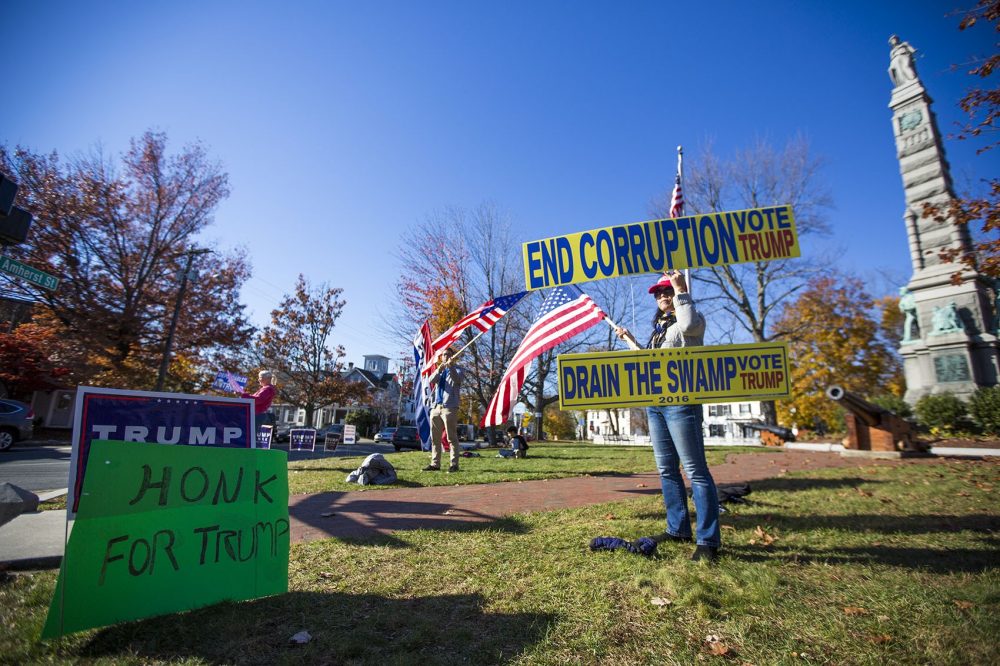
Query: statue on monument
[901, 67]
[908, 306]
[946, 319]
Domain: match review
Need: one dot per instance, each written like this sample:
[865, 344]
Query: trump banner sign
[156, 418]
[675, 376]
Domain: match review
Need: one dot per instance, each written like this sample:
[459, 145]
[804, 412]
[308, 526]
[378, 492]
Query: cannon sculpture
[773, 435]
[870, 427]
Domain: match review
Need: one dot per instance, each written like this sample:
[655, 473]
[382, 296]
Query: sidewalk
[35, 540]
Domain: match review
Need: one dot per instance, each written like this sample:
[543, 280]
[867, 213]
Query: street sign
[32, 275]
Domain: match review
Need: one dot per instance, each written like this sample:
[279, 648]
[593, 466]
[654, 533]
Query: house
[383, 385]
[723, 423]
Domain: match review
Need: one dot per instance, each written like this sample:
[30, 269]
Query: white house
[723, 423]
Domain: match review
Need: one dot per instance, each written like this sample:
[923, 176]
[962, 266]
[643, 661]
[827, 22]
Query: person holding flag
[262, 399]
[676, 430]
[446, 383]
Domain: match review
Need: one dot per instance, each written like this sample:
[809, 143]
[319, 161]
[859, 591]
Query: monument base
[884, 455]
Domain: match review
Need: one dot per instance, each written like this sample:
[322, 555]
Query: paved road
[36, 468]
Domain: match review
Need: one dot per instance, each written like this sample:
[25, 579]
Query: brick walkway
[382, 512]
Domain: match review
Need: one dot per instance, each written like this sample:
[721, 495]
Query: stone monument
[950, 337]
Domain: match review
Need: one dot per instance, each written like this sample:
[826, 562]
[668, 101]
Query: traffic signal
[14, 221]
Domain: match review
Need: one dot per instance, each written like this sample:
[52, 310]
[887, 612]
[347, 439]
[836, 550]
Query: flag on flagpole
[677, 198]
[565, 312]
[483, 318]
[421, 413]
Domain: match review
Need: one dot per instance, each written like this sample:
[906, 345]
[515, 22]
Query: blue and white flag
[421, 391]
[227, 381]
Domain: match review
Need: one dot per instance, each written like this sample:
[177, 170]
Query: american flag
[677, 198]
[565, 312]
[421, 415]
[482, 318]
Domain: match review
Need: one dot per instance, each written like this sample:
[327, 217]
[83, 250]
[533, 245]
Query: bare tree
[741, 300]
[456, 260]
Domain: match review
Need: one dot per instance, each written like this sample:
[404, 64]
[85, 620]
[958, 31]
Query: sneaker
[453, 468]
[706, 553]
[432, 468]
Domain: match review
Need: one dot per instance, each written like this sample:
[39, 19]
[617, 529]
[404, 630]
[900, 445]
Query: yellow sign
[676, 376]
[697, 241]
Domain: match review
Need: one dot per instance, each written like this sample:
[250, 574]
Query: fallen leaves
[762, 537]
[964, 605]
[609, 516]
[854, 610]
[863, 492]
[660, 601]
[880, 638]
[715, 647]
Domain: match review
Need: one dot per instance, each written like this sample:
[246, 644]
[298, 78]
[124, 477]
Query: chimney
[350, 366]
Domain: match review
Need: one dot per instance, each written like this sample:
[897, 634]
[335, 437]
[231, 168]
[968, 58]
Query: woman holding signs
[675, 430]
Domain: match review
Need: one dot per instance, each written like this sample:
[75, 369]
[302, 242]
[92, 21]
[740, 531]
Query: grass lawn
[878, 565]
[546, 460]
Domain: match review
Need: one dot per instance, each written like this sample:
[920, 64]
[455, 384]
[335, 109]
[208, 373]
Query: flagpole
[680, 180]
[629, 340]
[481, 333]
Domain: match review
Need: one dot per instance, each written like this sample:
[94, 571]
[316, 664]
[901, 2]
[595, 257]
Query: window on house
[718, 410]
[716, 430]
[744, 408]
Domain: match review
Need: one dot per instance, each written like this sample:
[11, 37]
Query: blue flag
[421, 412]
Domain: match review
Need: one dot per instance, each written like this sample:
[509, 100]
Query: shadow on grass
[781, 484]
[936, 560]
[345, 628]
[350, 515]
[983, 523]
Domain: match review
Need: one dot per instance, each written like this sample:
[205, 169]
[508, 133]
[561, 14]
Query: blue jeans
[677, 440]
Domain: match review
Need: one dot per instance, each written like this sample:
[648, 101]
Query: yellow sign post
[682, 375]
[696, 241]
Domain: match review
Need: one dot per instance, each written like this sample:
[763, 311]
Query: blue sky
[343, 123]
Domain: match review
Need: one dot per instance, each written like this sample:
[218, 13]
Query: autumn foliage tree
[116, 232]
[834, 337]
[982, 105]
[296, 347]
[25, 364]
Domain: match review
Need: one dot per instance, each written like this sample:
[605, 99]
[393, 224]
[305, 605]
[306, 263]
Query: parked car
[16, 422]
[384, 435]
[281, 433]
[405, 437]
[335, 430]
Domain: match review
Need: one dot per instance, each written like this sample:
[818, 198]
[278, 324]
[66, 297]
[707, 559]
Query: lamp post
[165, 362]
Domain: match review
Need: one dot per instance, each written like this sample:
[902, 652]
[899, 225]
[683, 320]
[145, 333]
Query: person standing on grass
[676, 431]
[447, 385]
[262, 400]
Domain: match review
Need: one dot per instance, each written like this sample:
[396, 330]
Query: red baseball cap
[662, 283]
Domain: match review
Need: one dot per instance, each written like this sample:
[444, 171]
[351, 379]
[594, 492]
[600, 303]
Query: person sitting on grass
[518, 444]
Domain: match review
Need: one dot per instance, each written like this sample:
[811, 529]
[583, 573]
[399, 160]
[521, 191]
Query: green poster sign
[162, 529]
[32, 275]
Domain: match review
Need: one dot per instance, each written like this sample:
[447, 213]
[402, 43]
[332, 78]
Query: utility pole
[165, 362]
